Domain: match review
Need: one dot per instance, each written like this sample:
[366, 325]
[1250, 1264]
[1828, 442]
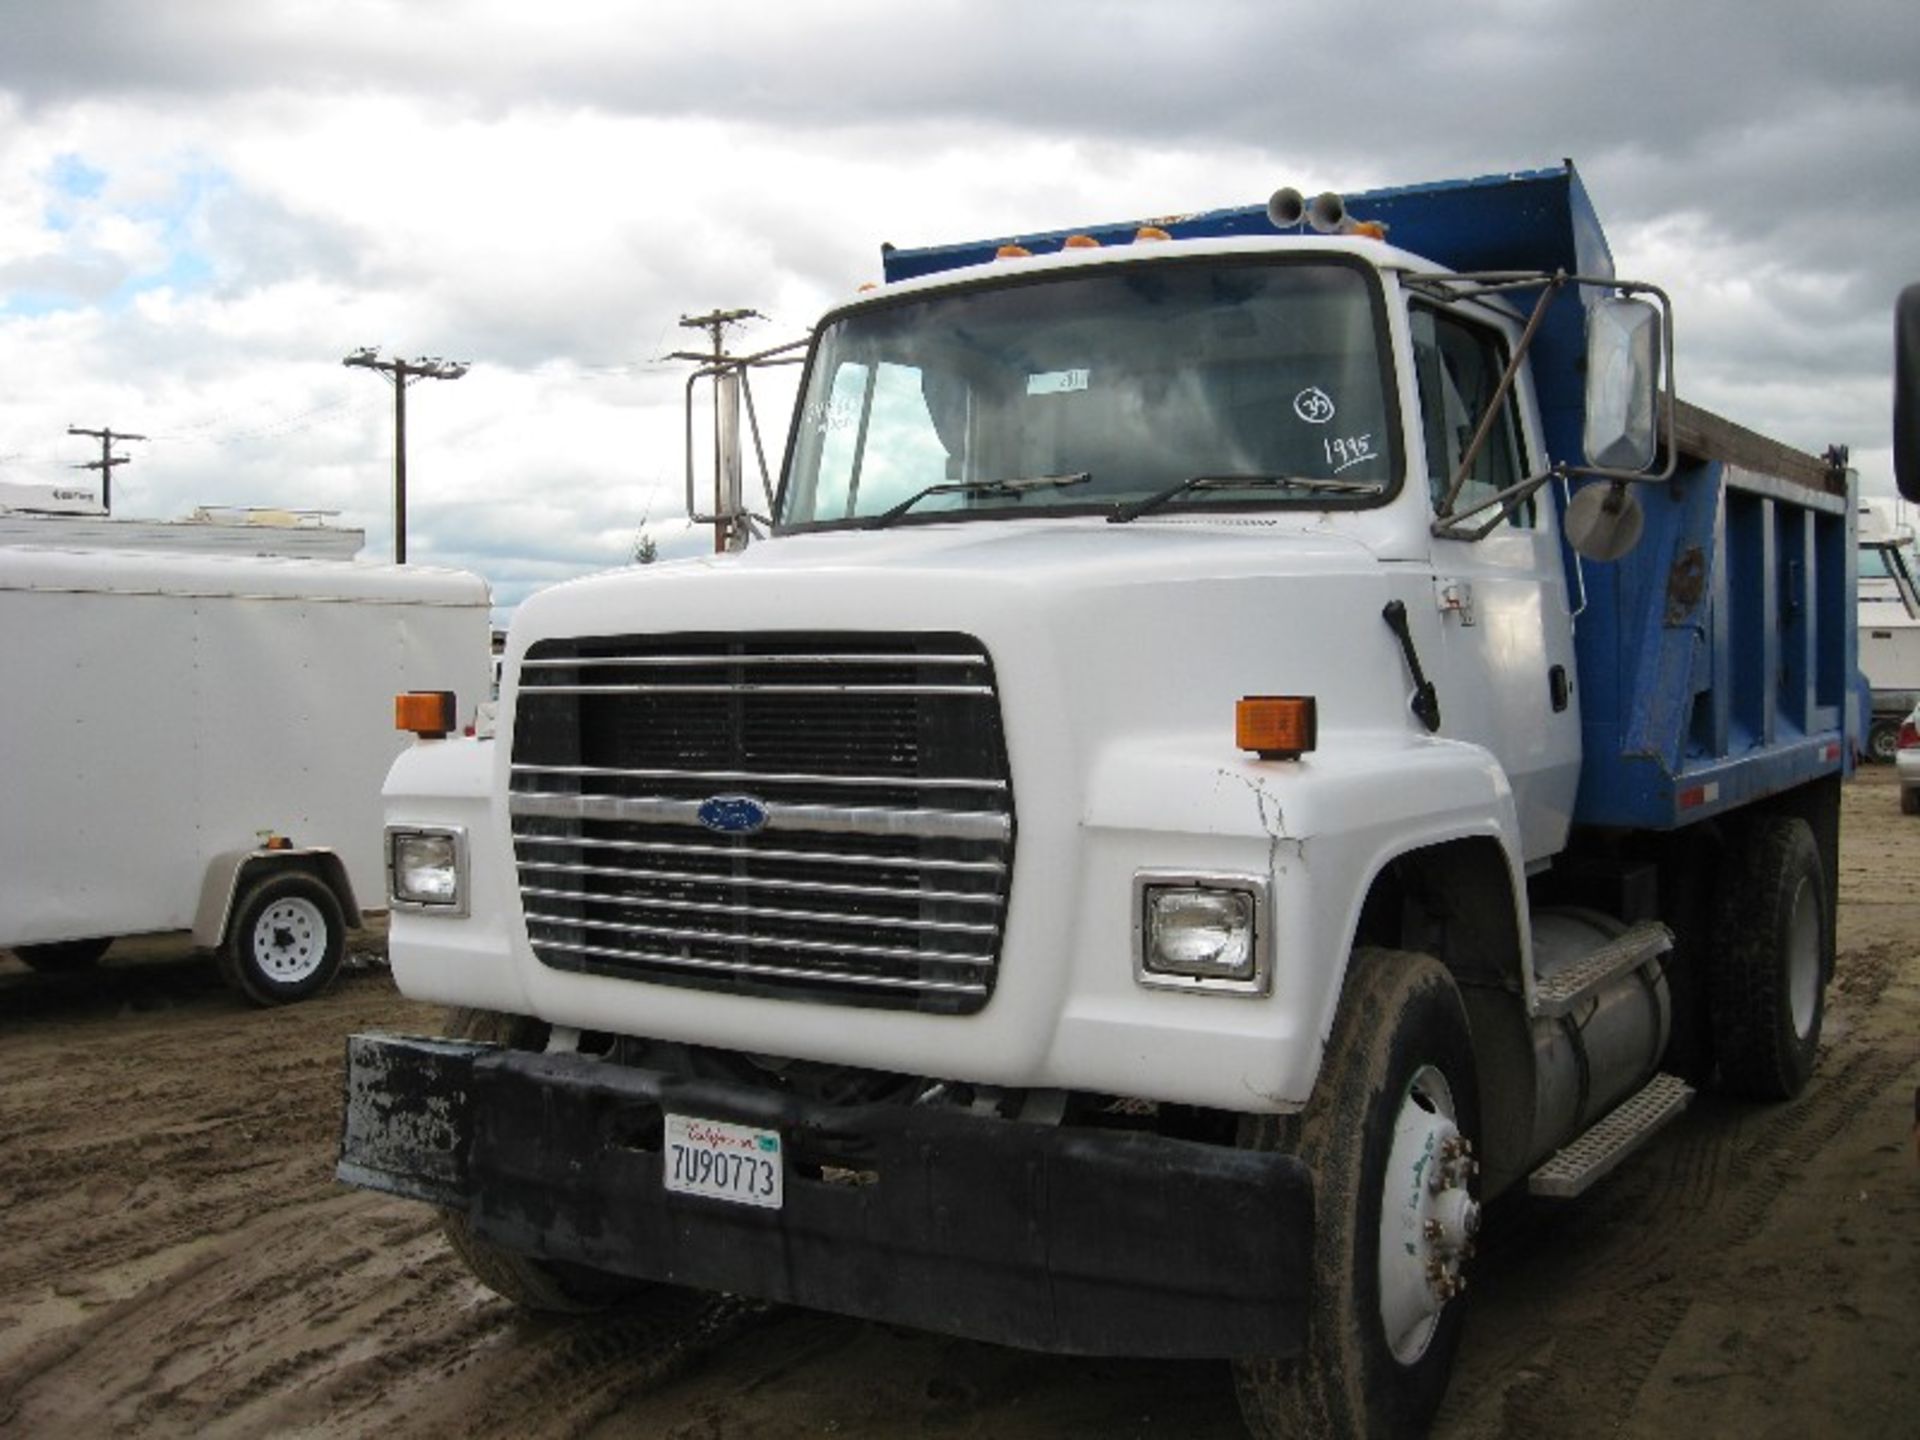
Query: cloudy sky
[207, 205]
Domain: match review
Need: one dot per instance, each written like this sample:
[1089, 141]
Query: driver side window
[1458, 367]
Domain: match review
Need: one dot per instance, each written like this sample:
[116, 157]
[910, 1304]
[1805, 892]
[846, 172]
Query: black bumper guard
[1052, 1238]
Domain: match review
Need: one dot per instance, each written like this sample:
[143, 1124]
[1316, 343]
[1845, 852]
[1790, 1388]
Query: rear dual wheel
[1389, 1137]
[1771, 958]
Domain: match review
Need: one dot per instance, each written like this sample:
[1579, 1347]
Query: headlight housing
[427, 869]
[1202, 932]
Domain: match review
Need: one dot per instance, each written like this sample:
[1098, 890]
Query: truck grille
[825, 817]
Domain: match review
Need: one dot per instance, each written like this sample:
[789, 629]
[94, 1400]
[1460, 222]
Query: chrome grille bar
[811, 857]
[780, 972]
[748, 688]
[828, 819]
[758, 777]
[781, 942]
[754, 882]
[762, 912]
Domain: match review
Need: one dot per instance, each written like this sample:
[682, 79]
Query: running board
[1559, 993]
[1620, 1132]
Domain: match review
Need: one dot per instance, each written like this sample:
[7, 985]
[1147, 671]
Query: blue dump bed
[1717, 660]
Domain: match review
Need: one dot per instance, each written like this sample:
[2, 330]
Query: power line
[400, 374]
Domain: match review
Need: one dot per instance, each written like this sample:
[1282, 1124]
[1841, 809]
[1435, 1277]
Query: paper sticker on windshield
[1057, 382]
[1313, 405]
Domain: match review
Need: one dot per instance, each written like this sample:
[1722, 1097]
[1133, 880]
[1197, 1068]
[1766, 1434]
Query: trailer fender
[228, 873]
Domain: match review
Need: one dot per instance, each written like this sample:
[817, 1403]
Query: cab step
[1620, 1132]
[1560, 992]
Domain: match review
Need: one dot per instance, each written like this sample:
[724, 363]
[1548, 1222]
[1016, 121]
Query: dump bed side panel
[1716, 660]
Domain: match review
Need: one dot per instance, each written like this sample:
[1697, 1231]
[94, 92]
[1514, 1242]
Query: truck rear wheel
[286, 939]
[1771, 959]
[548, 1286]
[1389, 1138]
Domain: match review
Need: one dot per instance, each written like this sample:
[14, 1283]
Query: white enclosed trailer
[196, 741]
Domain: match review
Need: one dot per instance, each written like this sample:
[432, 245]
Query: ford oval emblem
[733, 814]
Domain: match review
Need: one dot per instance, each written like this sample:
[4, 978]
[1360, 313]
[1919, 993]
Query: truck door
[1506, 673]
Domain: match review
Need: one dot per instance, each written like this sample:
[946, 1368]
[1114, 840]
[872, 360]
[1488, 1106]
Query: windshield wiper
[1018, 486]
[1133, 509]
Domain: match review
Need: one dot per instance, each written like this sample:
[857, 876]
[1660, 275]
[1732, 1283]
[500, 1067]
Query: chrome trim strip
[755, 882]
[734, 852]
[764, 942]
[756, 777]
[832, 977]
[761, 912]
[826, 819]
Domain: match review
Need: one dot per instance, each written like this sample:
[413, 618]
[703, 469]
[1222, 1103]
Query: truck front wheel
[1770, 959]
[1389, 1138]
[547, 1286]
[286, 940]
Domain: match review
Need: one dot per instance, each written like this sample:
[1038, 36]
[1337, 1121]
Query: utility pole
[399, 373]
[729, 523]
[107, 459]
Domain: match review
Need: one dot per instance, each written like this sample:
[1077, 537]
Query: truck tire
[1771, 959]
[1910, 800]
[549, 1287]
[1397, 1100]
[57, 955]
[285, 940]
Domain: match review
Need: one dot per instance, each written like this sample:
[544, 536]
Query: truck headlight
[1201, 932]
[427, 869]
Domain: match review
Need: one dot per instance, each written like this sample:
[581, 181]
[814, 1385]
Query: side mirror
[1623, 383]
[1906, 392]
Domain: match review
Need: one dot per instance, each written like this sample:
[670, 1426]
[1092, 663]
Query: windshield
[1128, 381]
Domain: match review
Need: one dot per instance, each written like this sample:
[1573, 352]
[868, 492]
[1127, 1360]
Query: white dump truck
[195, 725]
[1250, 735]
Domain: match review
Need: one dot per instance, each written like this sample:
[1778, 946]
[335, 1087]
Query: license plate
[723, 1162]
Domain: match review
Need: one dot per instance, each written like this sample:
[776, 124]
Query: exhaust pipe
[1288, 209]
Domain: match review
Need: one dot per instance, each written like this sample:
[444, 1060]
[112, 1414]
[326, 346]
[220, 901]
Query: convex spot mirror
[1623, 382]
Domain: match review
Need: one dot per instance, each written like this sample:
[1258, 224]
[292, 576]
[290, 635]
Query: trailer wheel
[548, 1286]
[1771, 959]
[286, 939]
[58, 955]
[1388, 1136]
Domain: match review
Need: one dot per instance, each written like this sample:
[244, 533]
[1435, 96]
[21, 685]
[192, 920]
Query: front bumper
[1047, 1237]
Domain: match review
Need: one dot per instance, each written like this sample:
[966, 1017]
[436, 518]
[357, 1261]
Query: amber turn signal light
[427, 713]
[1276, 727]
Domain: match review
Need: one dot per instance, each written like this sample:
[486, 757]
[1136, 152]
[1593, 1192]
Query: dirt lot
[175, 1257]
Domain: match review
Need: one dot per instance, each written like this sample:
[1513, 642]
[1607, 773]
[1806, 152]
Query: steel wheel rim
[1803, 962]
[289, 940]
[1428, 1217]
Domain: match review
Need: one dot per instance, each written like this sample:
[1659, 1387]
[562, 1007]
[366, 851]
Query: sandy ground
[176, 1259]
